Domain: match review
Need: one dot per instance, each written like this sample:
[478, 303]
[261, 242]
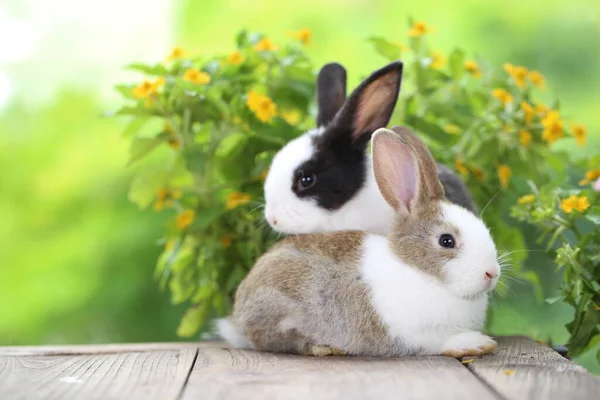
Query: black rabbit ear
[371, 104]
[331, 92]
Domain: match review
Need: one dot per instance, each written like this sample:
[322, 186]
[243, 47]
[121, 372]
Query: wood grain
[157, 375]
[236, 374]
[524, 369]
[102, 348]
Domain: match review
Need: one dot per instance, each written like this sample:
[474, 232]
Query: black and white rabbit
[322, 181]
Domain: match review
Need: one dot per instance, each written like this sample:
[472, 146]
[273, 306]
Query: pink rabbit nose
[490, 275]
[274, 221]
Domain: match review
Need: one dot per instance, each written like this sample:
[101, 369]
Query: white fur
[465, 275]
[366, 211]
[418, 308]
[232, 335]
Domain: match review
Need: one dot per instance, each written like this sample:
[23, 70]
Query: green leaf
[195, 158]
[156, 69]
[193, 319]
[430, 129]
[385, 48]
[134, 126]
[232, 145]
[205, 216]
[456, 62]
[552, 300]
[241, 39]
[142, 147]
[593, 215]
[144, 188]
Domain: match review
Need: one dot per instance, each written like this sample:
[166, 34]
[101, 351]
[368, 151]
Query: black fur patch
[340, 171]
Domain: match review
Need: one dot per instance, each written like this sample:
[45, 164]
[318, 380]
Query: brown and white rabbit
[421, 290]
[322, 181]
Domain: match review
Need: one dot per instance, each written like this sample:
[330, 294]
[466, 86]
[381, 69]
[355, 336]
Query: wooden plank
[236, 374]
[157, 375]
[524, 369]
[102, 348]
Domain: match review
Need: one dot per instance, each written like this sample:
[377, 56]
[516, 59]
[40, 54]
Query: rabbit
[322, 180]
[422, 290]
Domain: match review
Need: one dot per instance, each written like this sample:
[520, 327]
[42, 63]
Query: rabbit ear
[331, 92]
[429, 171]
[396, 169]
[406, 176]
[371, 104]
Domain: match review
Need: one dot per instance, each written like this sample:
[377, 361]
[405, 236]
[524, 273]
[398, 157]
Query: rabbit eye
[447, 241]
[306, 181]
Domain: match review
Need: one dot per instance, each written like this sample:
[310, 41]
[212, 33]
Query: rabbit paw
[322, 351]
[468, 344]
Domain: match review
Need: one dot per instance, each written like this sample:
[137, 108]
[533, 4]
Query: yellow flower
[508, 372]
[590, 176]
[304, 35]
[292, 117]
[452, 129]
[575, 203]
[185, 219]
[437, 60]
[473, 68]
[527, 199]
[580, 134]
[553, 127]
[460, 167]
[541, 109]
[195, 76]
[419, 29]
[235, 58]
[265, 45]
[164, 198]
[527, 111]
[518, 74]
[504, 175]
[236, 199]
[262, 106]
[477, 173]
[537, 79]
[525, 138]
[226, 240]
[176, 54]
[147, 88]
[504, 96]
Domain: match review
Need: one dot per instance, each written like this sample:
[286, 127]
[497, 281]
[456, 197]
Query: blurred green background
[76, 259]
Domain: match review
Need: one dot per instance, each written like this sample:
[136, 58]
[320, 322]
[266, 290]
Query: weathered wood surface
[159, 375]
[520, 369]
[233, 374]
[524, 369]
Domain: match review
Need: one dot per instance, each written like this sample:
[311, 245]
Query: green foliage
[569, 227]
[223, 118]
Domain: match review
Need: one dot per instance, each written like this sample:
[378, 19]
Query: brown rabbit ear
[429, 172]
[396, 169]
[331, 92]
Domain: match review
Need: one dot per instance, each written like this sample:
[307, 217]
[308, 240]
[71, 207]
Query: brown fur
[313, 281]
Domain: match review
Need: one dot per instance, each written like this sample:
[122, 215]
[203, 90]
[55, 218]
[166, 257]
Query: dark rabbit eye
[447, 241]
[306, 181]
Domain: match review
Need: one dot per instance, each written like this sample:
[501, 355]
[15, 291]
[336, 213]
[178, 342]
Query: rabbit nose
[274, 221]
[490, 275]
